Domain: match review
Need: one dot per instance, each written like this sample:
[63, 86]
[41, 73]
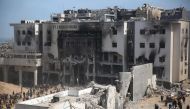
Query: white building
[23, 63]
[166, 45]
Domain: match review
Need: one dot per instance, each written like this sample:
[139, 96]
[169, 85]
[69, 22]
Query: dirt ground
[149, 103]
[8, 88]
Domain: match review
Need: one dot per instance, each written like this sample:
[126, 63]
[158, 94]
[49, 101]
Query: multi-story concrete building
[23, 63]
[83, 45]
[166, 45]
[80, 51]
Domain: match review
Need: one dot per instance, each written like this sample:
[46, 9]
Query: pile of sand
[8, 88]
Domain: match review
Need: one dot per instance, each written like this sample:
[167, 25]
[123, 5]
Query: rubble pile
[4, 47]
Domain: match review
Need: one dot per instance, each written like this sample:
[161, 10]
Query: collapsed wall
[141, 75]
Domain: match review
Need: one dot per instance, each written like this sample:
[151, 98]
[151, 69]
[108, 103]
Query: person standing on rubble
[183, 98]
[156, 106]
[161, 98]
[174, 102]
[180, 104]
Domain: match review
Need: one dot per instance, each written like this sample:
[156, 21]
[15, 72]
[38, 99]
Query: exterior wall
[141, 74]
[25, 55]
[157, 51]
[109, 38]
[184, 43]
[102, 37]
[172, 69]
[27, 35]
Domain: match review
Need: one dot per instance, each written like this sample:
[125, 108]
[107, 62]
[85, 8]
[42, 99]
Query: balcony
[21, 59]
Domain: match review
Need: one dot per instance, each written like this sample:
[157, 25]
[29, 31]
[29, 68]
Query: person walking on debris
[174, 103]
[170, 106]
[180, 104]
[183, 98]
[162, 98]
[156, 106]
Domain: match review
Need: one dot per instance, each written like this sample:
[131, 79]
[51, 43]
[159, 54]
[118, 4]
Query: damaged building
[96, 96]
[83, 51]
[22, 64]
[82, 45]
[165, 43]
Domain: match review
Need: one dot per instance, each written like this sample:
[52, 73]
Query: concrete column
[20, 77]
[63, 76]
[94, 69]
[87, 71]
[5, 74]
[35, 77]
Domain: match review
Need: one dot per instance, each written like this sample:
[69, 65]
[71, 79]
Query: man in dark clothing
[183, 98]
[180, 105]
[174, 103]
[161, 97]
[188, 107]
[156, 106]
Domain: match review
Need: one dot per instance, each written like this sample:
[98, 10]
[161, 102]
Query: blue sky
[12, 11]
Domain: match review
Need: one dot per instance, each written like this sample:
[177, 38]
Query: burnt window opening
[185, 45]
[114, 30]
[162, 59]
[49, 39]
[181, 57]
[48, 32]
[162, 44]
[152, 31]
[51, 56]
[152, 57]
[152, 45]
[114, 45]
[18, 32]
[130, 31]
[67, 44]
[28, 43]
[52, 66]
[23, 32]
[29, 32]
[185, 71]
[182, 30]
[23, 42]
[105, 56]
[106, 69]
[60, 41]
[40, 33]
[115, 58]
[141, 59]
[18, 43]
[185, 54]
[142, 31]
[117, 69]
[142, 45]
[89, 43]
[159, 71]
[162, 31]
[91, 68]
[186, 31]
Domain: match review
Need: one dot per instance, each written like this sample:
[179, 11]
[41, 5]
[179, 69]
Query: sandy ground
[150, 102]
[8, 88]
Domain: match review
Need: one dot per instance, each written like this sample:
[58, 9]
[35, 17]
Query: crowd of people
[176, 102]
[8, 101]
